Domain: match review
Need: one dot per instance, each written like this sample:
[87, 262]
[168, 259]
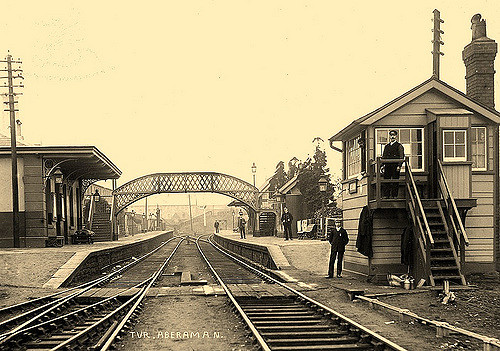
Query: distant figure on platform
[241, 226]
[392, 150]
[338, 240]
[216, 226]
[286, 219]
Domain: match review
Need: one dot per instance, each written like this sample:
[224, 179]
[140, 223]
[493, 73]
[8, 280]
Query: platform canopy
[75, 162]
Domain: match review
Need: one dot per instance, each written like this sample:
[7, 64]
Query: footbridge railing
[184, 182]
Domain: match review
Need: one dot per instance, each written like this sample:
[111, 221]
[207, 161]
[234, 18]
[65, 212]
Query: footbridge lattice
[184, 182]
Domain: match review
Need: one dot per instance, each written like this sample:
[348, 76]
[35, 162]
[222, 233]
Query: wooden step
[446, 277]
[443, 258]
[445, 268]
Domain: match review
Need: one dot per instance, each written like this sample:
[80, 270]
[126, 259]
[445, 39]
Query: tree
[293, 167]
[309, 175]
[279, 177]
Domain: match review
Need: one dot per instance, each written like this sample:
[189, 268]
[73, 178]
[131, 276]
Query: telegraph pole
[12, 110]
[190, 213]
[437, 42]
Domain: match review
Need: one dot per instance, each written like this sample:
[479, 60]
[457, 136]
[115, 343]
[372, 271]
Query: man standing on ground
[216, 225]
[392, 150]
[338, 240]
[286, 219]
[241, 226]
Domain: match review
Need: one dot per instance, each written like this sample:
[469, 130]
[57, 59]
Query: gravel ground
[187, 323]
[30, 269]
[475, 310]
[21, 276]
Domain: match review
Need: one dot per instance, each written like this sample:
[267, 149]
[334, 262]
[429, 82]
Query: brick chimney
[479, 59]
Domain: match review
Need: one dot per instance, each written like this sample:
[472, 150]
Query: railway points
[250, 290]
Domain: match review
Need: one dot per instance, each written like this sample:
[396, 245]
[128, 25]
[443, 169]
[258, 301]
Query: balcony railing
[377, 183]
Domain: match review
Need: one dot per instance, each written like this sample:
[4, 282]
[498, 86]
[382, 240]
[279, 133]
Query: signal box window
[478, 148]
[412, 140]
[454, 145]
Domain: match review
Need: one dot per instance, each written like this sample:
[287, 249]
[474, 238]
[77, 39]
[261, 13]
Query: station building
[52, 183]
[447, 209]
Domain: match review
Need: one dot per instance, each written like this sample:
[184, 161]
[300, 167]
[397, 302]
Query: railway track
[277, 314]
[282, 318]
[66, 324]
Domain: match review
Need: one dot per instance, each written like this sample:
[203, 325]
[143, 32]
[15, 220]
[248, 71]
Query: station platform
[50, 267]
[302, 262]
[306, 263]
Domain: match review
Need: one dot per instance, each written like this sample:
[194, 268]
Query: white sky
[164, 86]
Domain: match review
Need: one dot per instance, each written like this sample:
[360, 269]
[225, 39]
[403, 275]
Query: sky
[170, 86]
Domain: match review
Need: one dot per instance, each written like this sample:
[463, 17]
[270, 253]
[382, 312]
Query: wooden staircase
[101, 223]
[444, 261]
[438, 230]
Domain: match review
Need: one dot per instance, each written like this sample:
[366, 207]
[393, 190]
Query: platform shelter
[52, 182]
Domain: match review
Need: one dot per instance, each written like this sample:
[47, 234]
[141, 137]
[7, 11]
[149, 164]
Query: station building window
[478, 148]
[353, 157]
[412, 140]
[454, 145]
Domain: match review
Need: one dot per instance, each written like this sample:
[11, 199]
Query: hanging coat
[365, 233]
[407, 245]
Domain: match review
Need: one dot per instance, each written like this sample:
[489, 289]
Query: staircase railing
[458, 229]
[91, 212]
[420, 223]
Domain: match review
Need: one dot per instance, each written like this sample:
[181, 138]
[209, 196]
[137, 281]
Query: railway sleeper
[284, 324]
[301, 335]
[294, 328]
[344, 340]
[276, 310]
[286, 318]
[279, 314]
[357, 346]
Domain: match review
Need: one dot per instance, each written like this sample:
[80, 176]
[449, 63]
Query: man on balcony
[393, 150]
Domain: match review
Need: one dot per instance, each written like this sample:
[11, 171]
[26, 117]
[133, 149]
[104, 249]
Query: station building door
[267, 223]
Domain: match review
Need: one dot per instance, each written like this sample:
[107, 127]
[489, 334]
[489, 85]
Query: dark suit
[241, 227]
[287, 219]
[391, 170]
[338, 240]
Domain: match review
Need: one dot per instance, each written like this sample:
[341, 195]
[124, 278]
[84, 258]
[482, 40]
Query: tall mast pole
[436, 49]
[12, 111]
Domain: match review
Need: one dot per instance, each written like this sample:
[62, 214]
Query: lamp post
[323, 184]
[254, 170]
[58, 201]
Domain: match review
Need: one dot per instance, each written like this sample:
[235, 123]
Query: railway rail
[66, 324]
[290, 321]
[277, 314]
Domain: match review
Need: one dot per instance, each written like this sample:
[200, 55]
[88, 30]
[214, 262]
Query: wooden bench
[309, 232]
[82, 237]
